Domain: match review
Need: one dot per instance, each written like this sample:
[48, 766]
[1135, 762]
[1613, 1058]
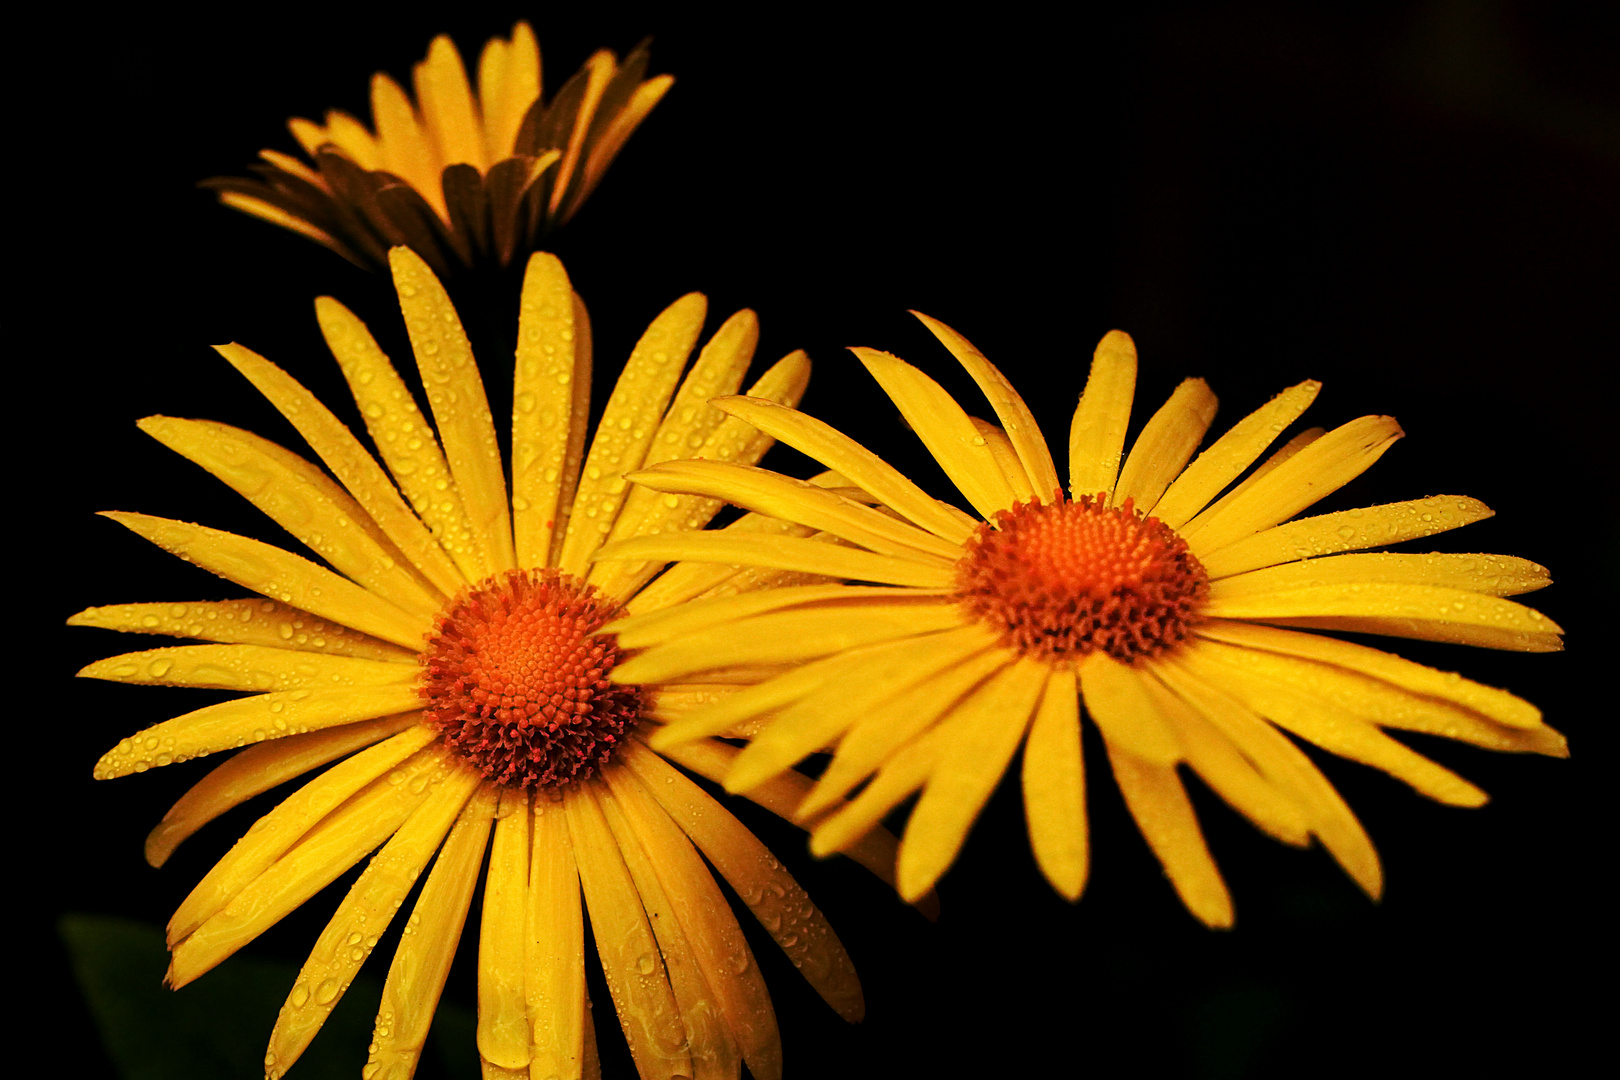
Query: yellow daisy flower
[462, 174]
[447, 668]
[1170, 613]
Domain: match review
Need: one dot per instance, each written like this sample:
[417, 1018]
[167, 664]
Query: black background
[1414, 203]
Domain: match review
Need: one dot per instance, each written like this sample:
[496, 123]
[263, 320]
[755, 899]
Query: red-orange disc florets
[1063, 578]
[516, 681]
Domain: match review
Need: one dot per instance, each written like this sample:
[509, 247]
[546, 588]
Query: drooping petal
[1097, 433]
[1117, 703]
[1054, 783]
[562, 1038]
[256, 668]
[503, 1018]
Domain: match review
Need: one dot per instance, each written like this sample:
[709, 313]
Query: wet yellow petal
[1229, 455]
[665, 624]
[548, 418]
[574, 458]
[780, 904]
[944, 429]
[1162, 811]
[901, 774]
[460, 407]
[863, 468]
[422, 962]
[364, 914]
[1166, 444]
[275, 833]
[1276, 458]
[1097, 433]
[353, 138]
[1001, 449]
[788, 553]
[358, 471]
[246, 622]
[1494, 575]
[983, 733]
[563, 1041]
[448, 110]
[275, 215]
[631, 961]
[1346, 530]
[246, 667]
[1309, 476]
[503, 1019]
[599, 70]
[628, 425]
[1016, 419]
[1054, 784]
[1118, 704]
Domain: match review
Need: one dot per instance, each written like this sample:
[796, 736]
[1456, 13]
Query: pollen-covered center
[517, 683]
[1064, 578]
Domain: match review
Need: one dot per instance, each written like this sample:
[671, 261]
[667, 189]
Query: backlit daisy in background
[1167, 611]
[460, 175]
[448, 665]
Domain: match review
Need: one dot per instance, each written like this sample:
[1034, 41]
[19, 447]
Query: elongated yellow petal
[945, 430]
[667, 624]
[503, 1018]
[353, 138]
[1097, 433]
[402, 146]
[1162, 811]
[1006, 458]
[1286, 766]
[422, 962]
[631, 960]
[781, 906]
[715, 1055]
[329, 849]
[448, 110]
[863, 468]
[301, 499]
[1274, 459]
[1229, 455]
[1346, 530]
[245, 622]
[788, 553]
[1054, 784]
[773, 494]
[1419, 611]
[256, 770]
[717, 943]
[563, 1042]
[641, 102]
[1494, 575]
[547, 417]
[508, 83]
[232, 724]
[628, 425]
[983, 733]
[1166, 445]
[335, 445]
[275, 833]
[364, 914]
[1310, 475]
[1497, 705]
[900, 775]
[878, 738]
[460, 407]
[275, 215]
[1118, 704]
[1016, 419]
[790, 636]
[246, 667]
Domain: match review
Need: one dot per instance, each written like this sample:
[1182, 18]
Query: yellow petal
[275, 215]
[944, 429]
[402, 145]
[1166, 444]
[448, 110]
[978, 740]
[1129, 720]
[1309, 476]
[788, 553]
[598, 70]
[422, 962]
[258, 769]
[1229, 455]
[353, 138]
[550, 396]
[863, 468]
[1162, 811]
[456, 395]
[563, 1041]
[508, 83]
[1346, 530]
[246, 622]
[246, 667]
[503, 1019]
[354, 467]
[365, 914]
[628, 425]
[1016, 419]
[779, 903]
[301, 499]
[1006, 458]
[1054, 784]
[1097, 433]
[667, 624]
[1274, 459]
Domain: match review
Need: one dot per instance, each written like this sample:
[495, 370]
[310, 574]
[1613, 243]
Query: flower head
[1164, 597]
[462, 174]
[449, 668]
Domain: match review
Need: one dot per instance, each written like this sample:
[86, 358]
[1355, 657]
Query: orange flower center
[1064, 578]
[517, 683]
